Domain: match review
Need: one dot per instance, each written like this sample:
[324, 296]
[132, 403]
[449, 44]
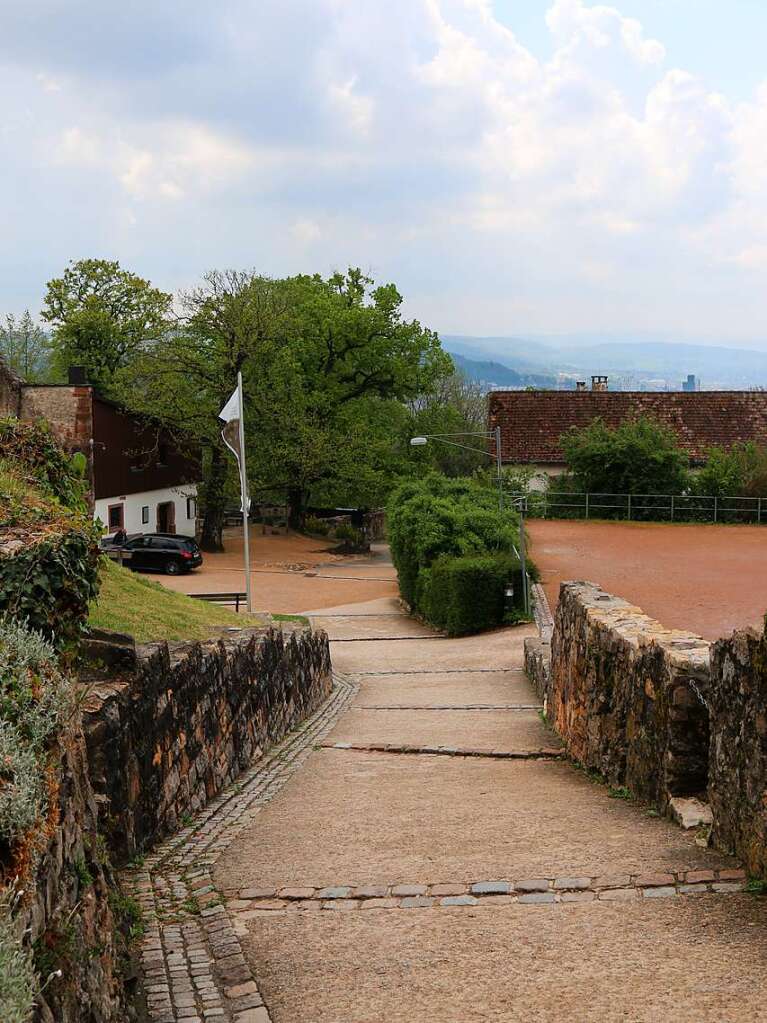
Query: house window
[145, 514]
[116, 515]
[191, 507]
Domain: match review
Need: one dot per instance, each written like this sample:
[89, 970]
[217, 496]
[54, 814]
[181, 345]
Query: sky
[515, 167]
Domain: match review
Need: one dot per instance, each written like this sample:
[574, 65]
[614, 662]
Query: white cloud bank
[600, 188]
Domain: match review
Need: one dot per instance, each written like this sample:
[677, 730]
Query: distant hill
[494, 373]
[633, 363]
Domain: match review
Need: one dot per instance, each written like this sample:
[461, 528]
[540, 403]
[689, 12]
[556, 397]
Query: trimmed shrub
[437, 521]
[463, 595]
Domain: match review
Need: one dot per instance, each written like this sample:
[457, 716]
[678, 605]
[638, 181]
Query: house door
[166, 517]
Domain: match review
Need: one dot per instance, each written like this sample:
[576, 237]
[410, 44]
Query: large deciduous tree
[102, 317]
[25, 347]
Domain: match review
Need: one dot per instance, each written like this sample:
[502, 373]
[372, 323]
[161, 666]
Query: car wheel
[172, 567]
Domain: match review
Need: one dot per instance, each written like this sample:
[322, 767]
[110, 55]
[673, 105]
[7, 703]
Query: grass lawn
[148, 611]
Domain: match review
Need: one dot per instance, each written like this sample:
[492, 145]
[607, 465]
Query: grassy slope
[148, 611]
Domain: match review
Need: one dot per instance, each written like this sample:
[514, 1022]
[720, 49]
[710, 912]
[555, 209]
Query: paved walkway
[421, 852]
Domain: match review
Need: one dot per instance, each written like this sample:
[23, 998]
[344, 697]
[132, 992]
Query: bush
[638, 457]
[437, 520]
[468, 594]
[19, 983]
[49, 550]
[35, 701]
[317, 526]
[349, 533]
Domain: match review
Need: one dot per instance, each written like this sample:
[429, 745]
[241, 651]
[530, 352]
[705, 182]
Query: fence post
[672, 507]
[587, 505]
[629, 497]
[545, 505]
[759, 512]
[716, 508]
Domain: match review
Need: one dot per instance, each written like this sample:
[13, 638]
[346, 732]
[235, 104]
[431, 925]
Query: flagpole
[244, 496]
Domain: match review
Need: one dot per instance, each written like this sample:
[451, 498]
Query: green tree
[453, 404]
[25, 347]
[327, 365]
[103, 317]
[638, 457]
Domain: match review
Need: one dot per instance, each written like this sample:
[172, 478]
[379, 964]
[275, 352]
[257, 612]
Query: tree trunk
[296, 497]
[212, 535]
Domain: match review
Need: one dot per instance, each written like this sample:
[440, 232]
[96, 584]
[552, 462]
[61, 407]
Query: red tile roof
[533, 421]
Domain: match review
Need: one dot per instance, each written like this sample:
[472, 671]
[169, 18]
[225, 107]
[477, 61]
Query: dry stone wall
[628, 696]
[738, 756]
[167, 736]
[66, 910]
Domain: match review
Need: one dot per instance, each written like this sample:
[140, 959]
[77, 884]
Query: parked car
[155, 552]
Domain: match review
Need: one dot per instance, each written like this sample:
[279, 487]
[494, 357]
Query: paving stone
[612, 881]
[416, 902]
[253, 1016]
[491, 888]
[448, 889]
[540, 884]
[694, 876]
[296, 893]
[389, 903]
[618, 894]
[538, 898]
[459, 900]
[247, 1002]
[659, 893]
[370, 891]
[342, 905]
[577, 896]
[334, 893]
[654, 880]
[693, 889]
[409, 889]
[732, 875]
[257, 893]
[572, 883]
[238, 990]
[729, 886]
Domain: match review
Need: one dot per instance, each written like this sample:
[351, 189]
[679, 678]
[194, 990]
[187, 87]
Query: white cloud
[437, 146]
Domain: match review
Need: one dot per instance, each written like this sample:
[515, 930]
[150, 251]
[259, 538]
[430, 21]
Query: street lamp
[517, 503]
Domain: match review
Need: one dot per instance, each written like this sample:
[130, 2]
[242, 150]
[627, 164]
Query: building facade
[140, 479]
[533, 422]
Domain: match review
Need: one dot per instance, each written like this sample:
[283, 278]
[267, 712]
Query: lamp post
[517, 503]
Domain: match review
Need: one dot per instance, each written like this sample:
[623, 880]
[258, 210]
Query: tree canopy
[102, 317]
[640, 456]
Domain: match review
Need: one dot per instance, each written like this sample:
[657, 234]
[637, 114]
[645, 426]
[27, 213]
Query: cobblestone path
[478, 877]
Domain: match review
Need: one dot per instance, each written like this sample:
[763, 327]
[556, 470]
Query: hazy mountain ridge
[632, 361]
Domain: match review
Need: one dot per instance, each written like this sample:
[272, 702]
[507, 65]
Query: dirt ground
[279, 566]
[705, 579]
[699, 961]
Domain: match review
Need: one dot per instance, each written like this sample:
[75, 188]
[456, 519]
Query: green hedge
[453, 550]
[468, 594]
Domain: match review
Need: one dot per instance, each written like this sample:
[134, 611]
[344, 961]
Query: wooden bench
[222, 598]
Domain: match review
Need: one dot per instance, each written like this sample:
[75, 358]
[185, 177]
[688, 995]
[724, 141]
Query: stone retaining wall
[738, 756]
[165, 739]
[627, 695]
[66, 912]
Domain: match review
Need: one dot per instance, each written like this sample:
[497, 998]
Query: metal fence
[648, 507]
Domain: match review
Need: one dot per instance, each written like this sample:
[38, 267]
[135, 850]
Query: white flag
[231, 410]
[230, 414]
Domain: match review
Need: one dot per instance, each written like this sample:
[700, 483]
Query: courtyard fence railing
[647, 507]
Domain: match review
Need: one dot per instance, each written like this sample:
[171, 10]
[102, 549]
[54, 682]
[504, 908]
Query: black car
[156, 552]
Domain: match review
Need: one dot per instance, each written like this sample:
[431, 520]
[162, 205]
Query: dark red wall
[126, 453]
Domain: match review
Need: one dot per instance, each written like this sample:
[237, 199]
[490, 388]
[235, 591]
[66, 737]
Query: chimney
[580, 385]
[599, 383]
[77, 377]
